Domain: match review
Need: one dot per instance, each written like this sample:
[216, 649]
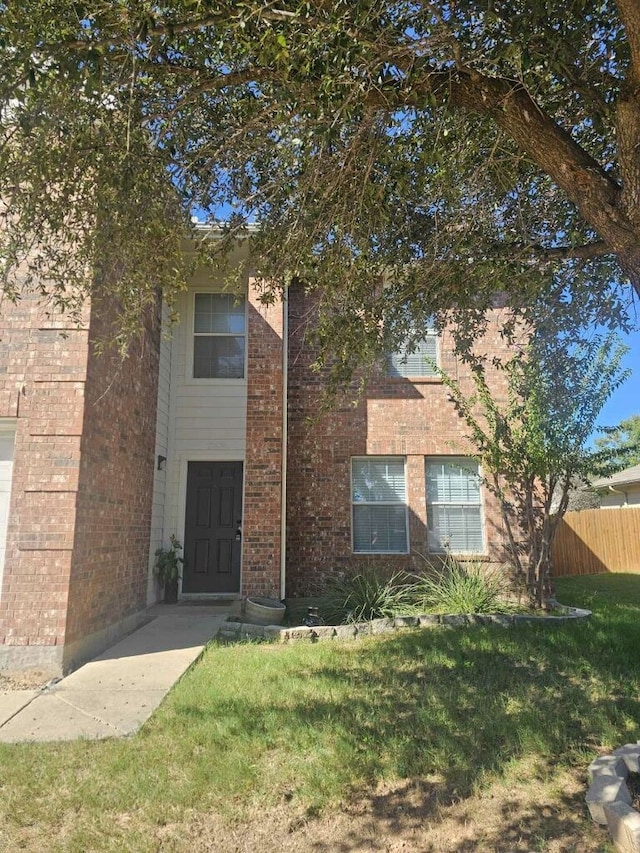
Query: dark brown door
[212, 543]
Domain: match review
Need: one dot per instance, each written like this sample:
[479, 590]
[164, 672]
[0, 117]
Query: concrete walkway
[114, 694]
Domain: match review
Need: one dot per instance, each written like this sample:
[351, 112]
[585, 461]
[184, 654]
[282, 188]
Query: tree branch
[594, 191]
[630, 15]
[628, 113]
[588, 250]
[206, 82]
[160, 29]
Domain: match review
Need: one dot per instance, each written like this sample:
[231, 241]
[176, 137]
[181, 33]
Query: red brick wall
[108, 580]
[43, 362]
[263, 467]
[78, 535]
[393, 417]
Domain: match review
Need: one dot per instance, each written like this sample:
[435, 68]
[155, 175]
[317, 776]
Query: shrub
[461, 588]
[168, 562]
[368, 594]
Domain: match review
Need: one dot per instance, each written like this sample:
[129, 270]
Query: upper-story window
[219, 336]
[417, 359]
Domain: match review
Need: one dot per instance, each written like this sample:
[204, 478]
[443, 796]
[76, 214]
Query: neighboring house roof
[627, 477]
[583, 497]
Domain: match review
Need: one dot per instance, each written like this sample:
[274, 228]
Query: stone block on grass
[381, 626]
[630, 754]
[247, 629]
[275, 633]
[299, 634]
[227, 636]
[322, 632]
[344, 632]
[429, 620]
[624, 826]
[606, 790]
[454, 620]
[406, 622]
[608, 765]
[503, 619]
[477, 619]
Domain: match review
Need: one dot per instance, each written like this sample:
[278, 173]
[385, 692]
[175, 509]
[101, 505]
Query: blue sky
[626, 400]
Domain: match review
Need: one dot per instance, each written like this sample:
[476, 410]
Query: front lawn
[307, 731]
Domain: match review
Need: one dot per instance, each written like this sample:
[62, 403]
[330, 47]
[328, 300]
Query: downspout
[285, 403]
[625, 495]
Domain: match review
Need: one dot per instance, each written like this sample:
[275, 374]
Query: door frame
[183, 462]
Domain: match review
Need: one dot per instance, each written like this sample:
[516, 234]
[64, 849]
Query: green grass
[312, 724]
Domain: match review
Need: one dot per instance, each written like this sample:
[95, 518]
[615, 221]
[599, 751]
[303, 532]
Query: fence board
[598, 540]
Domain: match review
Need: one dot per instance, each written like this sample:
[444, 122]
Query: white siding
[162, 449]
[207, 417]
[7, 441]
[620, 498]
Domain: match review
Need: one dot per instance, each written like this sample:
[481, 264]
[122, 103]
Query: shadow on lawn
[456, 703]
[513, 826]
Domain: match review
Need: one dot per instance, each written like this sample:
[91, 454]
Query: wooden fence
[598, 540]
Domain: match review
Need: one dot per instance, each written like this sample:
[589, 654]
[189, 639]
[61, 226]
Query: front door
[212, 544]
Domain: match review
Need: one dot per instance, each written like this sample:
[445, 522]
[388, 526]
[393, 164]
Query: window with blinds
[379, 505]
[421, 359]
[218, 336]
[454, 506]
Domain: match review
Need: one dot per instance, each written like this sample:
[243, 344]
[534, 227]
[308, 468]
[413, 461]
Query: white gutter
[285, 402]
[625, 495]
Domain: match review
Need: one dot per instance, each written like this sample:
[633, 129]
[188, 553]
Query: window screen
[218, 336]
[422, 361]
[378, 495]
[454, 506]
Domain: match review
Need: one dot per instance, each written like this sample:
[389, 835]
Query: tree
[532, 442]
[623, 442]
[457, 150]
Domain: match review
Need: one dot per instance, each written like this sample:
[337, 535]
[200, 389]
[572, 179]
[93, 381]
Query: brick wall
[78, 534]
[42, 385]
[109, 570]
[263, 467]
[393, 417]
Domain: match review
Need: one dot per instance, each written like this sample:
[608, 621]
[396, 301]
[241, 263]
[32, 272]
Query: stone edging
[278, 634]
[608, 797]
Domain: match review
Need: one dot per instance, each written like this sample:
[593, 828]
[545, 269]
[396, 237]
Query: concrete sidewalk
[114, 694]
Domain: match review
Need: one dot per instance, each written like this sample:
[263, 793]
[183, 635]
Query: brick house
[206, 433]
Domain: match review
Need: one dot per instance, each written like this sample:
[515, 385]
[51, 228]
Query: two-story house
[211, 432]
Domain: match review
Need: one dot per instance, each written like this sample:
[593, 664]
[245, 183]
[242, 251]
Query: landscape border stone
[608, 797]
[237, 631]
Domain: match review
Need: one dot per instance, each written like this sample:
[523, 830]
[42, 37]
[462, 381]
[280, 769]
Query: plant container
[264, 611]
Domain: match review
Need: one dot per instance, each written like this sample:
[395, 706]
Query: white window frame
[192, 334]
[378, 503]
[8, 429]
[462, 462]
[396, 369]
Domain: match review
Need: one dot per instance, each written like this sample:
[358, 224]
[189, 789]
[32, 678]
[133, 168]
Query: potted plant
[167, 569]
[259, 610]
